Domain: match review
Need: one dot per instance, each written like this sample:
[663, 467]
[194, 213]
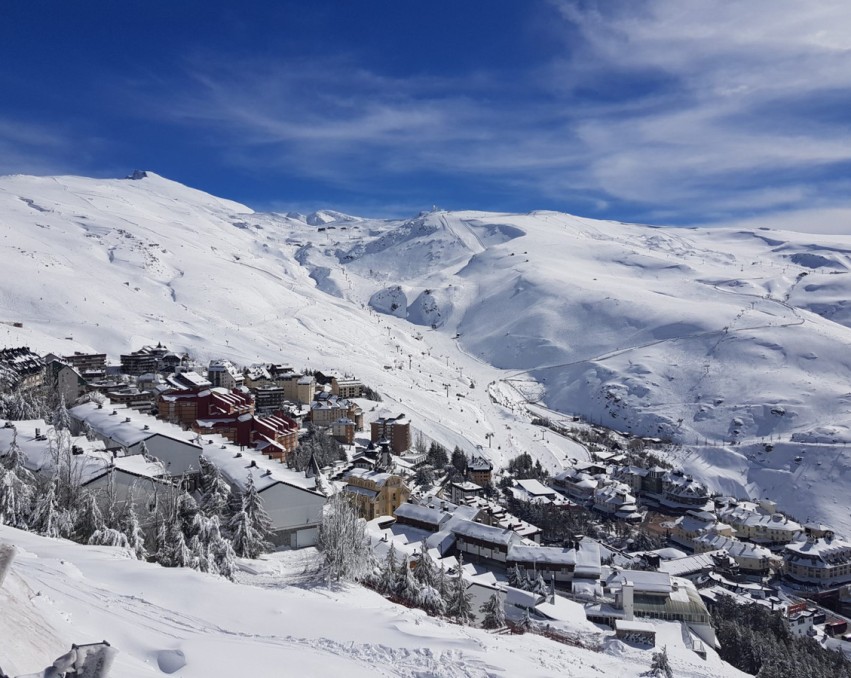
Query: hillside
[719, 339]
[60, 593]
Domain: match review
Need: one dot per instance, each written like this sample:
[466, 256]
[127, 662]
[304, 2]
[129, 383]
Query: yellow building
[376, 494]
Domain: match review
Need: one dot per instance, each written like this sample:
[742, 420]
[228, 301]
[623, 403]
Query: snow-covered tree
[660, 667]
[540, 586]
[385, 575]
[459, 604]
[173, 551]
[517, 578]
[15, 500]
[493, 613]
[525, 622]
[430, 600]
[215, 491]
[89, 518]
[61, 418]
[186, 513]
[344, 542]
[425, 570]
[107, 536]
[135, 537]
[46, 517]
[406, 587]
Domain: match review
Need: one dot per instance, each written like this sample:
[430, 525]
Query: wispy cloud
[30, 148]
[687, 112]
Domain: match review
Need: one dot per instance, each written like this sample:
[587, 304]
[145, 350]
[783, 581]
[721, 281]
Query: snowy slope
[720, 338]
[59, 593]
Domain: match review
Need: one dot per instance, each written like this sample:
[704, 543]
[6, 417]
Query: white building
[133, 432]
[222, 373]
[824, 563]
[615, 499]
[292, 500]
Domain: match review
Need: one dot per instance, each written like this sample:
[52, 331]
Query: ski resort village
[235, 470]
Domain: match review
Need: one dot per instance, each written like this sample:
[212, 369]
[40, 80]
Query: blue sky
[685, 112]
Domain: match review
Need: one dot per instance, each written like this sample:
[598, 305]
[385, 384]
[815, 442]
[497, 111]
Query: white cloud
[692, 110]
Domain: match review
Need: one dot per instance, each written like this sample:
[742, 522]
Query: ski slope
[723, 340]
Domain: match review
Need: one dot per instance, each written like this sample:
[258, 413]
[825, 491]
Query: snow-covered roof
[127, 433]
[494, 535]
[634, 626]
[376, 477]
[681, 567]
[643, 581]
[541, 554]
[536, 488]
[421, 514]
[264, 471]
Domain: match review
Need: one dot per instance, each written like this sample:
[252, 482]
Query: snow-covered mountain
[723, 340]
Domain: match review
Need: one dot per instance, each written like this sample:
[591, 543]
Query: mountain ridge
[723, 340]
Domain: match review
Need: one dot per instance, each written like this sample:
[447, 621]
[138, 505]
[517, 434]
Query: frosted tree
[61, 418]
[386, 575]
[15, 500]
[660, 667]
[89, 518]
[253, 506]
[460, 605]
[540, 586]
[88, 431]
[493, 613]
[406, 587]
[135, 536]
[186, 513]
[517, 578]
[344, 542]
[220, 553]
[173, 551]
[67, 470]
[13, 459]
[525, 623]
[441, 582]
[210, 551]
[46, 518]
[108, 536]
[425, 571]
[215, 492]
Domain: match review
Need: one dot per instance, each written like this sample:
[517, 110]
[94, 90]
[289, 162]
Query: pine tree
[135, 536]
[430, 600]
[493, 613]
[460, 601]
[386, 577]
[107, 536]
[45, 518]
[187, 512]
[425, 571]
[89, 519]
[442, 583]
[661, 666]
[174, 551]
[15, 497]
[61, 418]
[525, 623]
[540, 586]
[343, 540]
[517, 578]
[407, 588]
[216, 493]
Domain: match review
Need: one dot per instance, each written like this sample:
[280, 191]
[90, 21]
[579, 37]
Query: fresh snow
[724, 340]
[274, 623]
